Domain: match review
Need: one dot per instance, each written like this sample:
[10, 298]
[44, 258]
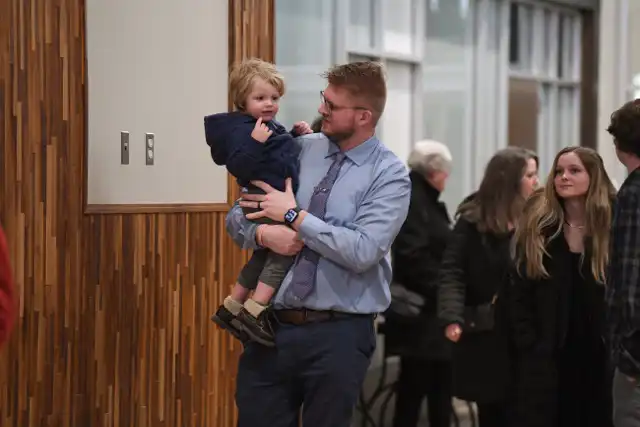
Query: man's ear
[366, 117]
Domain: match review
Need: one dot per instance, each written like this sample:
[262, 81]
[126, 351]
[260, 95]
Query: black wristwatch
[291, 216]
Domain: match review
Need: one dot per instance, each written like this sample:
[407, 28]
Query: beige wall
[158, 67]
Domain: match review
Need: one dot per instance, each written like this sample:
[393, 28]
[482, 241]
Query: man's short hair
[364, 80]
[243, 75]
[625, 127]
[429, 156]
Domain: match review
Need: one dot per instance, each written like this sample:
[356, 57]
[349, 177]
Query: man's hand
[280, 239]
[302, 128]
[273, 204]
[260, 131]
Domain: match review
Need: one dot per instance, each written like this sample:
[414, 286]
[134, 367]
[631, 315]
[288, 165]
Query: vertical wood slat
[114, 325]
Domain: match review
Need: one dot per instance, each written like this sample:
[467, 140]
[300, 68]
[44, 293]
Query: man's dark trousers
[321, 364]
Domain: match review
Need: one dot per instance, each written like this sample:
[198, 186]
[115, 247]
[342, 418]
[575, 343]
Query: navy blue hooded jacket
[275, 160]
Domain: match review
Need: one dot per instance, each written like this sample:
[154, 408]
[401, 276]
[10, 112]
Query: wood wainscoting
[114, 326]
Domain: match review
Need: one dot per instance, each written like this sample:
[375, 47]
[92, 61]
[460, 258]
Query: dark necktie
[304, 272]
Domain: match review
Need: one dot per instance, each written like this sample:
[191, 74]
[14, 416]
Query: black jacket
[541, 319]
[474, 268]
[275, 160]
[416, 254]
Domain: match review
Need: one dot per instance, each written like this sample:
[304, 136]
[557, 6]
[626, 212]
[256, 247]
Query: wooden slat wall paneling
[155, 208]
[114, 325]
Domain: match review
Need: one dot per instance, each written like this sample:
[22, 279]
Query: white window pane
[361, 24]
[399, 26]
[446, 88]
[567, 117]
[304, 35]
[538, 42]
[576, 59]
[550, 42]
[544, 150]
[554, 47]
[397, 119]
[549, 142]
[304, 31]
[564, 138]
[577, 115]
[444, 113]
[525, 37]
[566, 52]
[521, 37]
[490, 87]
[446, 27]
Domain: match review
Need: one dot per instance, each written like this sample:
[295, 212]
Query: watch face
[290, 216]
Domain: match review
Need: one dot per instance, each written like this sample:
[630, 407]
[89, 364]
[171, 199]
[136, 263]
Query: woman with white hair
[425, 369]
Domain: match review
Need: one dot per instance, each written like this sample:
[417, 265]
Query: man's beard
[337, 137]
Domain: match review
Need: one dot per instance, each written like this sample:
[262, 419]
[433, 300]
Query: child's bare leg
[233, 302]
[263, 293]
[239, 293]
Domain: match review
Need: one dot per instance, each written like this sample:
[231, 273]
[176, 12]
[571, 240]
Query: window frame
[485, 128]
[547, 76]
[470, 168]
[347, 49]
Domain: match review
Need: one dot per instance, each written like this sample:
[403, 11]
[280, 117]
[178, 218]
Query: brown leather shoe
[226, 320]
[258, 328]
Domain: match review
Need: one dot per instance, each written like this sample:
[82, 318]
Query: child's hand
[261, 132]
[302, 128]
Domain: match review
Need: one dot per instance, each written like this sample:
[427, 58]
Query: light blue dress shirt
[365, 211]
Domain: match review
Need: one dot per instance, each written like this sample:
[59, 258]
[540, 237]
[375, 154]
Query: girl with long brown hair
[473, 269]
[560, 251]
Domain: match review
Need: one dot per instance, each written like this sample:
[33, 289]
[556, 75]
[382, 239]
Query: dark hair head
[625, 127]
[498, 203]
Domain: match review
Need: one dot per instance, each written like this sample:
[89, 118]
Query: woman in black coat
[416, 254]
[562, 375]
[474, 270]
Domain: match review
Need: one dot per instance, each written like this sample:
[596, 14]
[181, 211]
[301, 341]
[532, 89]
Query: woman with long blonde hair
[560, 250]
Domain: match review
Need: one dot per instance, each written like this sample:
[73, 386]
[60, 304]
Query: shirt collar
[358, 154]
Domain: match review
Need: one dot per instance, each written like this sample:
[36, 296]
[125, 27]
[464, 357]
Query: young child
[253, 146]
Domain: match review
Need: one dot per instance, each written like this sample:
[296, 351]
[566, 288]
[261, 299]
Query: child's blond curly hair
[244, 74]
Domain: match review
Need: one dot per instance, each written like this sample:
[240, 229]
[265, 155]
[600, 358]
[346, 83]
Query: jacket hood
[217, 128]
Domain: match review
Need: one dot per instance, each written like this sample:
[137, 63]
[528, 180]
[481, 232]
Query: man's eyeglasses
[331, 107]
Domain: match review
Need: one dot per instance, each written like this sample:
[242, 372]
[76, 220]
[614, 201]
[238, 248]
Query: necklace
[579, 227]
